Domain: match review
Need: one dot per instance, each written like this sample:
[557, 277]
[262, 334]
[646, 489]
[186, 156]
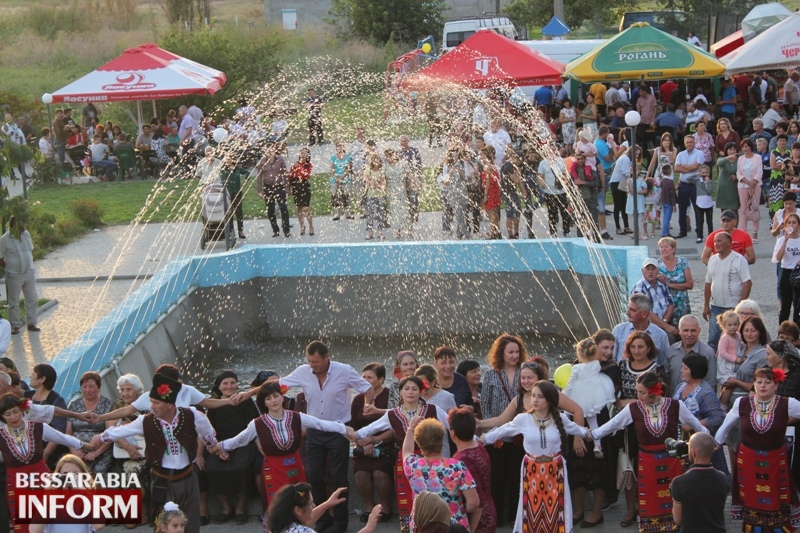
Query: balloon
[220, 135]
[427, 48]
[562, 374]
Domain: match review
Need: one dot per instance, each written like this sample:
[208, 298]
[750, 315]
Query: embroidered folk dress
[764, 493]
[23, 453]
[397, 421]
[544, 503]
[280, 440]
[656, 469]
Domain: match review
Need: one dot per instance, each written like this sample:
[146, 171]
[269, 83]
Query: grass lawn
[22, 315]
[179, 200]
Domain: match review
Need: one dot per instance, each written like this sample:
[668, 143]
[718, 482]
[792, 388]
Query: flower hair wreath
[283, 390]
[24, 404]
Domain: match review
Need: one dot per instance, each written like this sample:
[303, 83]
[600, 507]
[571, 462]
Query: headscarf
[262, 377]
[430, 508]
[222, 376]
[400, 356]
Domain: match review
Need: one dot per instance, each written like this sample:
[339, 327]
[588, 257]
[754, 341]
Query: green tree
[379, 21]
[247, 58]
[536, 13]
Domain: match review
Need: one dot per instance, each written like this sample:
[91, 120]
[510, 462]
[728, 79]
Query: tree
[188, 12]
[381, 20]
[537, 13]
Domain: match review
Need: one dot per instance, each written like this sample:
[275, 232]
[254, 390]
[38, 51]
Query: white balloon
[220, 135]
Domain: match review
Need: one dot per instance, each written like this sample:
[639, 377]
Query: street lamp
[47, 99]
[632, 119]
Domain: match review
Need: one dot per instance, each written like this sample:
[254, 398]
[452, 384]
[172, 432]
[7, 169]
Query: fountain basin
[564, 287]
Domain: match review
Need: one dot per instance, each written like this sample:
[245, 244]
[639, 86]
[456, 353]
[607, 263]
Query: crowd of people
[495, 441]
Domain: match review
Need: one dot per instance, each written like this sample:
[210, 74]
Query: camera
[677, 448]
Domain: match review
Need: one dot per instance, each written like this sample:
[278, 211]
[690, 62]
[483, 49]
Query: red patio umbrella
[487, 60]
[728, 44]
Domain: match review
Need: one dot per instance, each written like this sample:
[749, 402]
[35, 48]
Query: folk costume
[171, 448]
[23, 452]
[397, 420]
[280, 440]
[544, 502]
[764, 495]
[653, 424]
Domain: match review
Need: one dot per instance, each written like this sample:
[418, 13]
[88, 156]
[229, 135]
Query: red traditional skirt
[543, 494]
[655, 472]
[765, 496]
[11, 480]
[405, 496]
[280, 470]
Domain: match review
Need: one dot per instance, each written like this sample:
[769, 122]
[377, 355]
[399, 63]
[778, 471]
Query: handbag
[122, 453]
[626, 476]
[794, 277]
[751, 211]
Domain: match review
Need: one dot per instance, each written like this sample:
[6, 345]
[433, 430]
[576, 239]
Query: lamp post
[47, 99]
[632, 119]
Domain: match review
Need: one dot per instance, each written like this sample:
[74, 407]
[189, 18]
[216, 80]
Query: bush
[45, 170]
[87, 212]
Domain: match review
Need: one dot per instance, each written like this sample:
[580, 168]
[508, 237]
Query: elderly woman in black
[43, 380]
[231, 477]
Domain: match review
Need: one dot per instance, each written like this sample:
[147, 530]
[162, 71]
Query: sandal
[384, 517]
[628, 230]
[364, 517]
[628, 522]
[620, 232]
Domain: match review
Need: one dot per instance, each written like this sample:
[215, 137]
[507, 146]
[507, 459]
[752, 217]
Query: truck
[457, 31]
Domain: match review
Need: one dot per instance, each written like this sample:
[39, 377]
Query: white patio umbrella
[762, 18]
[776, 48]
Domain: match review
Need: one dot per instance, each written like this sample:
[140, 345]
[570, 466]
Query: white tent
[763, 17]
[776, 48]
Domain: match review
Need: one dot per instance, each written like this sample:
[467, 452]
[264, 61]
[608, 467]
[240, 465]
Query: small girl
[704, 202]
[652, 214]
[588, 387]
[171, 519]
[727, 352]
[668, 198]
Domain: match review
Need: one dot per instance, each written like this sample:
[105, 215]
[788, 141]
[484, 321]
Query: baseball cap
[728, 214]
[650, 262]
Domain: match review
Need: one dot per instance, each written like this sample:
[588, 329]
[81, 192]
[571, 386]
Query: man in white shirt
[145, 138]
[771, 117]
[625, 93]
[692, 39]
[196, 113]
[612, 95]
[727, 283]
[45, 145]
[791, 93]
[11, 129]
[100, 153]
[327, 386]
[687, 163]
[187, 127]
[499, 139]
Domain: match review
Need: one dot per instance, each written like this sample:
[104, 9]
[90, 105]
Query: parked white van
[457, 31]
[563, 51]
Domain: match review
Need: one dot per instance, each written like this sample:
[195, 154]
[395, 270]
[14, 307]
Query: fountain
[245, 300]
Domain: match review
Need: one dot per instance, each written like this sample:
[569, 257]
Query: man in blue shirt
[728, 102]
[543, 96]
[669, 119]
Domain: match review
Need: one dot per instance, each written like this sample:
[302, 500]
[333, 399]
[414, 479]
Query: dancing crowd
[482, 444]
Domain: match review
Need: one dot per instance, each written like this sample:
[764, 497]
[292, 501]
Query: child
[651, 212]
[728, 352]
[704, 203]
[668, 198]
[171, 519]
[588, 387]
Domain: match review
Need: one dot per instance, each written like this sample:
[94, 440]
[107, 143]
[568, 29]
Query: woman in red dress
[490, 178]
[22, 446]
[300, 181]
[398, 419]
[654, 419]
[279, 432]
[764, 495]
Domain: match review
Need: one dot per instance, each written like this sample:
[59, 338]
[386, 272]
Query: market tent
[143, 73]
[555, 28]
[644, 51]
[727, 45]
[776, 48]
[486, 60]
[762, 18]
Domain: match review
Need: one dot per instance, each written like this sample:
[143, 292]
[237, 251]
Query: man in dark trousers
[699, 495]
[314, 105]
[170, 435]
